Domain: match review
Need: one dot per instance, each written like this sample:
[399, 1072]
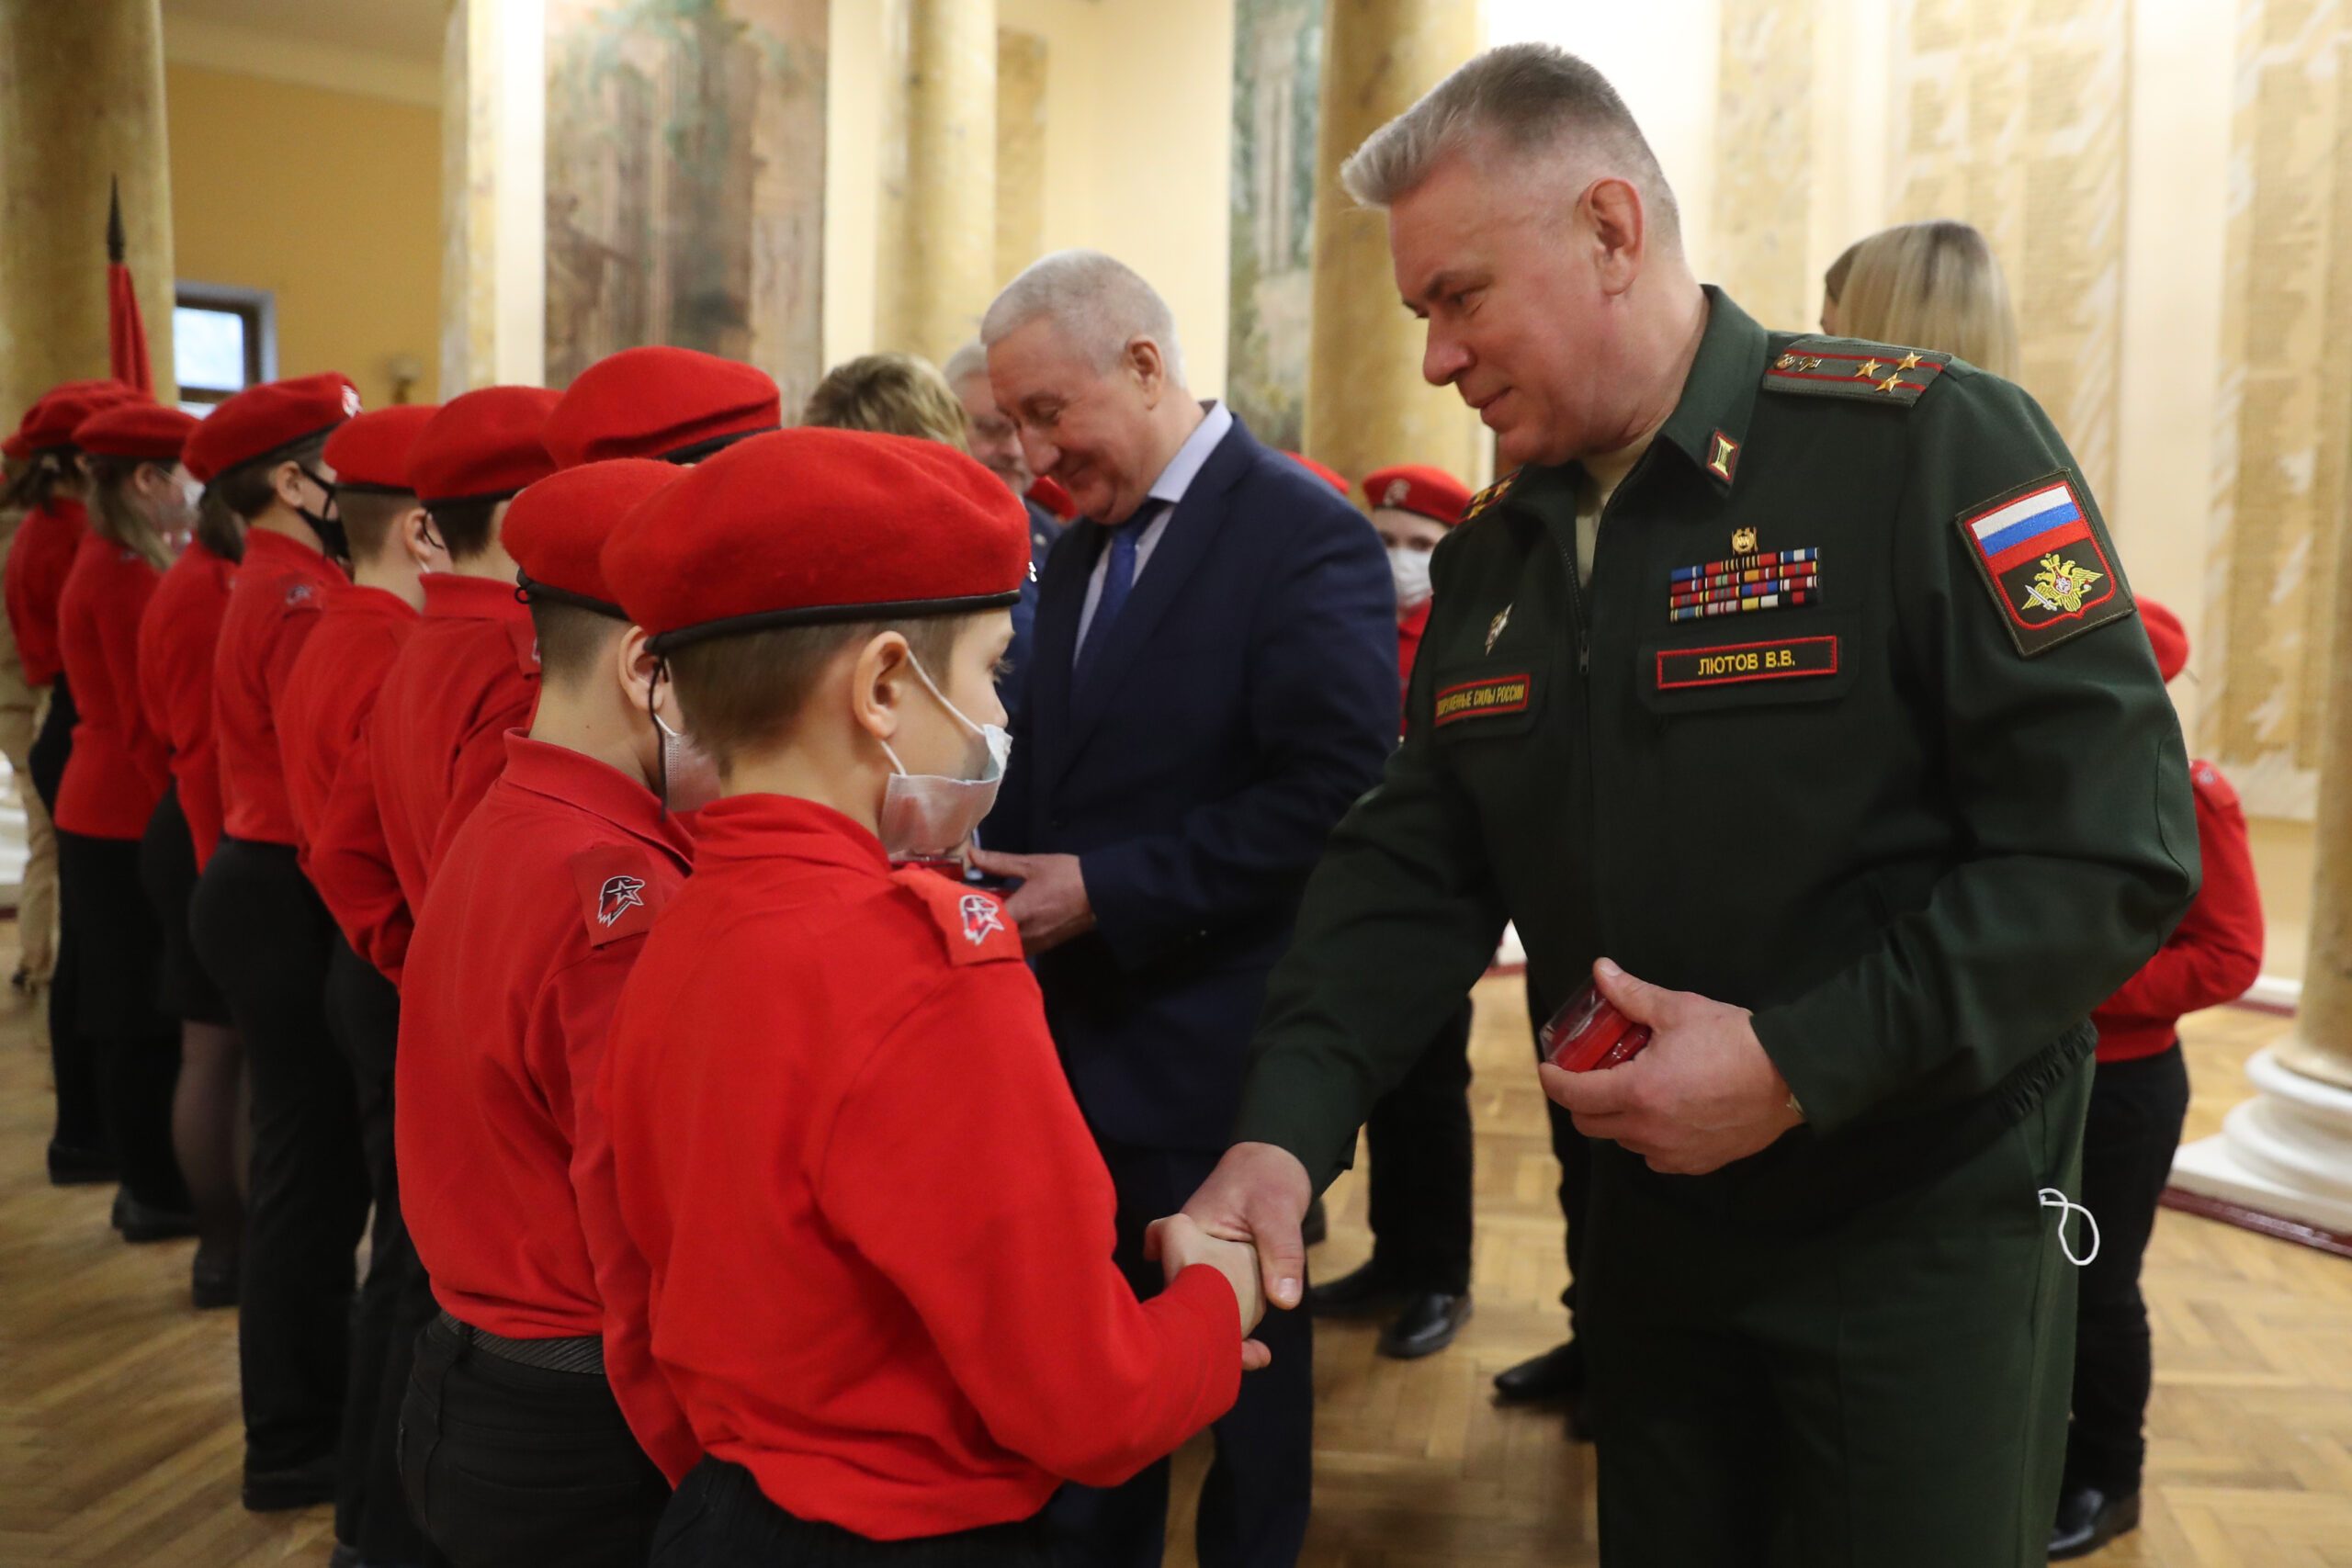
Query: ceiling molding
[245, 52]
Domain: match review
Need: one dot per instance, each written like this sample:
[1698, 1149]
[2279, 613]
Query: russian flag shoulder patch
[2045, 560]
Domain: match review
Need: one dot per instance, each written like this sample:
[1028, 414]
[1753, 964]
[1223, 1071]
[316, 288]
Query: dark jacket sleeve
[2215, 954]
[1321, 716]
[1400, 918]
[2066, 769]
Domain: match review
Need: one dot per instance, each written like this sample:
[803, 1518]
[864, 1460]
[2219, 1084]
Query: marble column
[81, 105]
[938, 231]
[493, 195]
[1366, 403]
[2287, 1153]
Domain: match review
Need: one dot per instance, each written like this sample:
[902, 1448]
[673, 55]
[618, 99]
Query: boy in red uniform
[518, 1449]
[361, 625]
[677, 404]
[50, 491]
[1419, 1201]
[879, 1236]
[465, 675]
[265, 937]
[114, 776]
[2139, 1100]
[178, 634]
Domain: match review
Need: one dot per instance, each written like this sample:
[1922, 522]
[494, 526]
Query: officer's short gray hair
[1532, 97]
[1101, 303]
[966, 362]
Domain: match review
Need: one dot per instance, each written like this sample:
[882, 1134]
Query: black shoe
[1556, 1377]
[212, 1283]
[72, 1165]
[1315, 1227]
[1364, 1292]
[2088, 1519]
[147, 1222]
[344, 1557]
[295, 1486]
[1427, 1326]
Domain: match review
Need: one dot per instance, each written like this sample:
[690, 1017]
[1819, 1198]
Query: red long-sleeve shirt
[40, 560]
[178, 637]
[118, 767]
[273, 606]
[2216, 951]
[325, 705]
[467, 673]
[879, 1233]
[1409, 647]
[539, 911]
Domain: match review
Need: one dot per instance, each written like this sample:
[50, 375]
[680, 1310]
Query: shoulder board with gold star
[1489, 496]
[1843, 367]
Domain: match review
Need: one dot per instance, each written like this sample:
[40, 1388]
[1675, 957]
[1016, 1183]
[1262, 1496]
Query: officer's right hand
[1258, 1193]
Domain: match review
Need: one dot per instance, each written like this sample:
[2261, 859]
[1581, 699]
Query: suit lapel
[1061, 596]
[1184, 542]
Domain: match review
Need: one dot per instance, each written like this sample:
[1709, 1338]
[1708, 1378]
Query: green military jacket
[1854, 725]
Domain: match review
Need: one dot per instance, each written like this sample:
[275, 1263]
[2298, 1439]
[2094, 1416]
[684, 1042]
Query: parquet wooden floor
[119, 1438]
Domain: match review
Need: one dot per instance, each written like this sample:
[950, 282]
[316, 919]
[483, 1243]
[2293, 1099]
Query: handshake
[1177, 1243]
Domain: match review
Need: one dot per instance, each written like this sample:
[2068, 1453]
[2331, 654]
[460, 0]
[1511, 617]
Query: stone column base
[2287, 1153]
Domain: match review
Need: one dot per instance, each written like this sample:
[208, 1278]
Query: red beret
[52, 421]
[806, 526]
[2167, 635]
[671, 403]
[484, 445]
[14, 448]
[1419, 489]
[1329, 475]
[555, 530]
[135, 429]
[372, 452]
[1047, 493]
[262, 421]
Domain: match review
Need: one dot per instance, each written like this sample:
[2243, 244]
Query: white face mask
[689, 777]
[1410, 570]
[930, 816]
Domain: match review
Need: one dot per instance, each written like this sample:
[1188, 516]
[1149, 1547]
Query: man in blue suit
[1212, 684]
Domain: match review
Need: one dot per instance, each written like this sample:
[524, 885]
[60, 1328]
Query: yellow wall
[329, 201]
[1138, 136]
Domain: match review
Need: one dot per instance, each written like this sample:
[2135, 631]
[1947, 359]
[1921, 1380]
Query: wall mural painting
[685, 182]
[1277, 62]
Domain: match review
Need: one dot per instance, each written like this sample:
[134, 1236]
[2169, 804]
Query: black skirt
[184, 989]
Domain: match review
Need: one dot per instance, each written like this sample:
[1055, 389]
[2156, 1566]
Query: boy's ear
[422, 541]
[638, 668]
[878, 678]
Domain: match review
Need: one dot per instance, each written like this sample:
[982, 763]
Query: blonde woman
[114, 776]
[1930, 285]
[897, 394]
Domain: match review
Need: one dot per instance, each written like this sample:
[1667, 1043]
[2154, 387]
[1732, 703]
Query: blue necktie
[1118, 579]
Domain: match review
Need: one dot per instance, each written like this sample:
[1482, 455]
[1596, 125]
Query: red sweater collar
[581, 781]
[451, 597]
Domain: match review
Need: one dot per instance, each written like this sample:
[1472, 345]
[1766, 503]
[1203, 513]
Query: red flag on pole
[126, 334]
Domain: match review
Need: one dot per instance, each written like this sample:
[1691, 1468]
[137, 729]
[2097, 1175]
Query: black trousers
[508, 1466]
[395, 1302]
[1574, 1151]
[73, 1057]
[1419, 1146]
[2137, 1109]
[167, 865]
[265, 936]
[1254, 1506]
[117, 947]
[721, 1520]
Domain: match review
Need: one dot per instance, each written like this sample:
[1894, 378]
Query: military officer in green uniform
[1786, 688]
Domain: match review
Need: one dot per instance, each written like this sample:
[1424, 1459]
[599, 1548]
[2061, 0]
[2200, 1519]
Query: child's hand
[1176, 1244]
